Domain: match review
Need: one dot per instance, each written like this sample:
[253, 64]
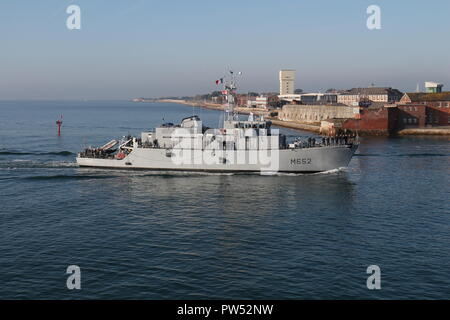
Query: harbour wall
[316, 113]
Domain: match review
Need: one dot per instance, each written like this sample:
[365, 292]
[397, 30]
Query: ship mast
[229, 91]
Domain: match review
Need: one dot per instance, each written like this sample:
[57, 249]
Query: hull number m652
[299, 161]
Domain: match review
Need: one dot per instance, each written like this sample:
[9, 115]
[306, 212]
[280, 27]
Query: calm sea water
[157, 235]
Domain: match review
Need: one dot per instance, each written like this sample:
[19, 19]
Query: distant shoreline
[240, 110]
[445, 131]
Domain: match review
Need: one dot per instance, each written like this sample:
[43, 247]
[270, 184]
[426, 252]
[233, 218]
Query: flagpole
[229, 87]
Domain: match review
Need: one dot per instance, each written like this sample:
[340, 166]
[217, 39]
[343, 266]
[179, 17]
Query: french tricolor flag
[219, 81]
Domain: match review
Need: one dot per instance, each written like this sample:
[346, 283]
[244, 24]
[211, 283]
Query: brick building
[242, 99]
[437, 106]
[382, 120]
[411, 116]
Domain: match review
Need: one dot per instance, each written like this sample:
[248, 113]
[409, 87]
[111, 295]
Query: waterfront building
[318, 98]
[218, 100]
[374, 120]
[261, 102]
[287, 82]
[412, 116]
[241, 100]
[311, 98]
[365, 96]
[433, 87]
[251, 102]
[290, 97]
[437, 106]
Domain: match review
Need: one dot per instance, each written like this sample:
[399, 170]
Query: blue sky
[133, 48]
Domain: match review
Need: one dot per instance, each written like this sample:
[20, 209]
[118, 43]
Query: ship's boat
[109, 145]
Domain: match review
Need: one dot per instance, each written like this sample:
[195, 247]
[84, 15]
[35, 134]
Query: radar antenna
[229, 91]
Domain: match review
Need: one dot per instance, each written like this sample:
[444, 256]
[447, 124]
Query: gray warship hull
[298, 160]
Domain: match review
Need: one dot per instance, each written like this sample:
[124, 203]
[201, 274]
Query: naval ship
[239, 145]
